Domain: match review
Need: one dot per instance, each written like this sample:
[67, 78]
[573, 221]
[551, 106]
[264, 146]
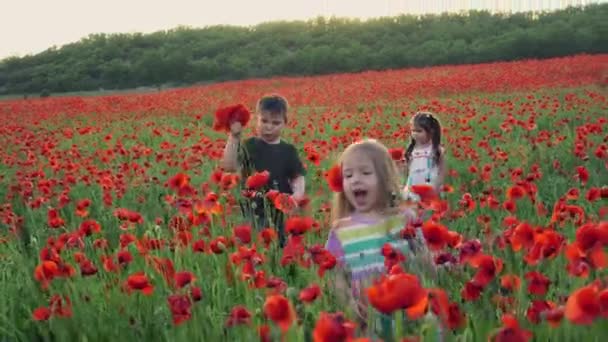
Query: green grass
[102, 311]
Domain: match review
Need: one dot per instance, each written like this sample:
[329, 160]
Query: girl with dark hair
[424, 157]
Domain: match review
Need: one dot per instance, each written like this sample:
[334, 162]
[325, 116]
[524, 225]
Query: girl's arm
[424, 257]
[345, 297]
[402, 166]
[339, 276]
[334, 246]
[442, 168]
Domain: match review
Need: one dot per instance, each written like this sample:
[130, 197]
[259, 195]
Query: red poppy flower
[81, 207]
[257, 180]
[280, 311]
[88, 227]
[196, 293]
[538, 284]
[218, 245]
[537, 308]
[333, 328]
[426, 192]
[178, 181]
[210, 205]
[314, 157]
[225, 116]
[124, 257]
[87, 268]
[510, 331]
[456, 317]
[397, 154]
[449, 313]
[515, 192]
[46, 271]
[523, 236]
[471, 291]
[198, 246]
[298, 225]
[510, 282]
[285, 203]
[216, 176]
[487, 268]
[554, 316]
[593, 194]
[266, 236]
[467, 202]
[54, 221]
[139, 281]
[180, 306]
[583, 306]
[399, 291]
[590, 235]
[239, 315]
[509, 206]
[392, 256]
[184, 278]
[582, 174]
[41, 314]
[264, 333]
[334, 178]
[310, 294]
[435, 234]
[229, 181]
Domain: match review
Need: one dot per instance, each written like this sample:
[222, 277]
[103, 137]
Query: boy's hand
[235, 129]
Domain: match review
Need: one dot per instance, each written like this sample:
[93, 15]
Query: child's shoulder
[287, 144]
[405, 212]
[348, 223]
[390, 216]
[251, 141]
[259, 143]
[342, 223]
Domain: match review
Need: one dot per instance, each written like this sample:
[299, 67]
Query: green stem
[398, 324]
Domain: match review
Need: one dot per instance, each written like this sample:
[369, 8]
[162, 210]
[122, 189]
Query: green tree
[318, 46]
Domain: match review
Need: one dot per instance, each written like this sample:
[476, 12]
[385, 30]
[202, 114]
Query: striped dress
[358, 247]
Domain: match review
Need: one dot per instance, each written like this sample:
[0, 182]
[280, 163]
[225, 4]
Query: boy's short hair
[274, 104]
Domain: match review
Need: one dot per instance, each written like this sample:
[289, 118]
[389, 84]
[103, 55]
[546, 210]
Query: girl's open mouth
[360, 196]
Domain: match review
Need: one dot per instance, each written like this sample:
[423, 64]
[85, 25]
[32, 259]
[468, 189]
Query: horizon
[80, 20]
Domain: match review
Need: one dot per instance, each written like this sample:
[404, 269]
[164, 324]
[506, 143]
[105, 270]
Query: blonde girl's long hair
[386, 171]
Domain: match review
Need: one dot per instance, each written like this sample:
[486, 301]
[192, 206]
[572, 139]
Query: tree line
[184, 55]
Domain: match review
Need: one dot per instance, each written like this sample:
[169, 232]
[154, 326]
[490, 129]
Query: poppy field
[116, 222]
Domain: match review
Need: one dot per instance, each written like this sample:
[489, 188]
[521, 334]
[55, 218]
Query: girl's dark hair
[429, 123]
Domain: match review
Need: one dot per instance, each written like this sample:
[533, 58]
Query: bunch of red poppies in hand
[224, 117]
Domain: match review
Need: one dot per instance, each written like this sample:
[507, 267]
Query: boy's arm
[230, 161]
[298, 186]
[298, 182]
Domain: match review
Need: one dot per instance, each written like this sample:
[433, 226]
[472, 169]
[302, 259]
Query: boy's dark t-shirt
[280, 160]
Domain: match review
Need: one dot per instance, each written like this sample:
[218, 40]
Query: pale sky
[32, 26]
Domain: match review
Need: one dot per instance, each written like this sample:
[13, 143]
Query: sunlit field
[116, 222]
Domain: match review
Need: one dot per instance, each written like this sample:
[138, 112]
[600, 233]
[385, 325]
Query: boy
[268, 152]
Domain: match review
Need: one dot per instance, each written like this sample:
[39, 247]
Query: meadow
[117, 223]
